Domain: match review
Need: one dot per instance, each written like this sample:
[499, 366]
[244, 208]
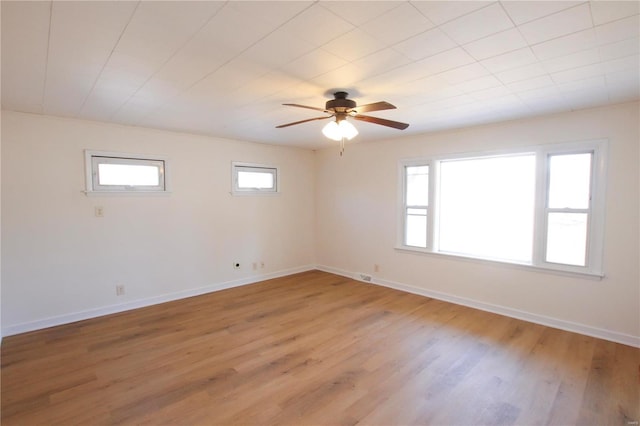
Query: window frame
[405, 207]
[237, 166]
[92, 161]
[543, 153]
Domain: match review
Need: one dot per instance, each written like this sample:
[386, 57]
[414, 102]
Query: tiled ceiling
[225, 68]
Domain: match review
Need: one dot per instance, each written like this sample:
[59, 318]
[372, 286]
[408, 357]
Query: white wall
[357, 223]
[1, 334]
[61, 263]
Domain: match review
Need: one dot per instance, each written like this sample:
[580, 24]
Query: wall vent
[364, 277]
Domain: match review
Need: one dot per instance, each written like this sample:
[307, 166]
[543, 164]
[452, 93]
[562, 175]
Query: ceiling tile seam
[599, 61]
[188, 88]
[593, 25]
[387, 46]
[434, 26]
[412, 61]
[249, 47]
[486, 69]
[583, 50]
[423, 59]
[517, 27]
[579, 31]
[399, 3]
[282, 68]
[602, 46]
[104, 65]
[617, 20]
[339, 35]
[461, 46]
[458, 45]
[552, 13]
[457, 17]
[171, 56]
[46, 60]
[565, 94]
[392, 46]
[348, 62]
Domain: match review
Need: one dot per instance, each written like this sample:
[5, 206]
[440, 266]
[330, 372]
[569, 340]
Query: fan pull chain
[341, 146]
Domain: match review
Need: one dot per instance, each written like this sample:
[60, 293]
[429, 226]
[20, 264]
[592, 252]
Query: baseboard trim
[141, 303]
[612, 336]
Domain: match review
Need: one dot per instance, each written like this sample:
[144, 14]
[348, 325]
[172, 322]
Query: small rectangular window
[119, 172]
[254, 178]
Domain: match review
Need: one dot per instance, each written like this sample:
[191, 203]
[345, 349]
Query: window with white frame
[542, 206]
[251, 178]
[120, 172]
[417, 205]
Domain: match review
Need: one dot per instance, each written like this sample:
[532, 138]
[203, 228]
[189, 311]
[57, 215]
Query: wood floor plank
[317, 349]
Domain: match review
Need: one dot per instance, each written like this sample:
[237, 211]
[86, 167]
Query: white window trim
[254, 191]
[93, 190]
[595, 243]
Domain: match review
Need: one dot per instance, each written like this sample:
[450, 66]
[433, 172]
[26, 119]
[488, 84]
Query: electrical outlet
[236, 265]
[261, 265]
[119, 290]
[376, 267]
[99, 211]
[255, 266]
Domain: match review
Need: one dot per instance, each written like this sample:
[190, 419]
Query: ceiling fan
[341, 107]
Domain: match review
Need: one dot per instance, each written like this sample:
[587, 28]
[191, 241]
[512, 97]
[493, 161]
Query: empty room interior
[320, 212]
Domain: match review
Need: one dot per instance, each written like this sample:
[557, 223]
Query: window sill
[513, 265]
[127, 193]
[256, 193]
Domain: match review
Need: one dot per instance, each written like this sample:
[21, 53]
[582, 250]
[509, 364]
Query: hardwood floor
[315, 348]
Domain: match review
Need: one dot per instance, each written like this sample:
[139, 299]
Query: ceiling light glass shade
[348, 130]
[337, 131]
[332, 131]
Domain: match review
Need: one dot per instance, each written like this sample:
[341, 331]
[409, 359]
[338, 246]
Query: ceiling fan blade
[376, 106]
[307, 107]
[381, 121]
[302, 121]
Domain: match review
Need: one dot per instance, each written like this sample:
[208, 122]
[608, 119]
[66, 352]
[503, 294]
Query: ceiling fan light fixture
[337, 131]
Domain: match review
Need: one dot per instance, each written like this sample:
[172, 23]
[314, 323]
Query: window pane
[128, 175]
[416, 228]
[567, 238]
[417, 185]
[487, 207]
[569, 181]
[257, 180]
[417, 212]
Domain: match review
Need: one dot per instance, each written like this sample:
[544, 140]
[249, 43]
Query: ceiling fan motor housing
[340, 103]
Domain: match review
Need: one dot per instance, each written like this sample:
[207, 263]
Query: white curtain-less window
[255, 180]
[568, 208]
[486, 207]
[416, 205]
[128, 175]
[250, 178]
[120, 172]
[542, 206]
